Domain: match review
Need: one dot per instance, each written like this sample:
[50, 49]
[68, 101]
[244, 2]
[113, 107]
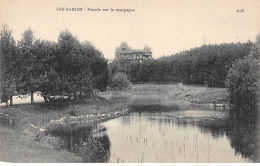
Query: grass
[39, 114]
[174, 93]
[15, 147]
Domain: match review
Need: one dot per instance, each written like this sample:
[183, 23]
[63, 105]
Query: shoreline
[24, 126]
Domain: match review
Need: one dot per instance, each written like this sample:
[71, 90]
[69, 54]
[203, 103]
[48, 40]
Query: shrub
[242, 83]
[242, 80]
[119, 81]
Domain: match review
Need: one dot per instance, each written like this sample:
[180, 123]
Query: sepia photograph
[129, 81]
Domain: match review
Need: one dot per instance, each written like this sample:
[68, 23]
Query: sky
[168, 27]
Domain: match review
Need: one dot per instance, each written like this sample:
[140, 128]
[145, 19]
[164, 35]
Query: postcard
[129, 81]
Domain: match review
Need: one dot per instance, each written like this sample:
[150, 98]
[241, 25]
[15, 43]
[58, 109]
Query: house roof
[124, 48]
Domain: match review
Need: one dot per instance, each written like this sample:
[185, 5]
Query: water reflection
[89, 142]
[181, 135]
[243, 133]
[155, 132]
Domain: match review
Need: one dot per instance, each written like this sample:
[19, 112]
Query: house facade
[126, 52]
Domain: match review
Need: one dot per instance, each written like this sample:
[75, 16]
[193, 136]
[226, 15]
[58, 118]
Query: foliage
[119, 81]
[27, 63]
[242, 80]
[95, 149]
[7, 60]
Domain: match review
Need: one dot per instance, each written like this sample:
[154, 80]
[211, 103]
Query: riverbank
[177, 93]
[21, 126]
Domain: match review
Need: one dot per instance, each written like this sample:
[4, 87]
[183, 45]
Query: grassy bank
[16, 147]
[174, 93]
[21, 125]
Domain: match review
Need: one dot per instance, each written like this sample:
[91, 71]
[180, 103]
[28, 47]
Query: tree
[49, 80]
[242, 80]
[27, 63]
[119, 81]
[80, 66]
[99, 68]
[68, 61]
[7, 60]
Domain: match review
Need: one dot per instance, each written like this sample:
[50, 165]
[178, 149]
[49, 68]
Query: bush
[242, 83]
[242, 80]
[119, 81]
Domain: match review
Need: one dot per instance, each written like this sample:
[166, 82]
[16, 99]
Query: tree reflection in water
[239, 126]
[243, 132]
[88, 142]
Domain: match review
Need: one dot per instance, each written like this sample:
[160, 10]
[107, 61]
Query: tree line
[208, 64]
[65, 67]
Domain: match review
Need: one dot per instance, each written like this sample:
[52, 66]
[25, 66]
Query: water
[88, 142]
[165, 133]
[177, 136]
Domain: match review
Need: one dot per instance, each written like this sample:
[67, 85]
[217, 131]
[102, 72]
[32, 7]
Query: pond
[154, 132]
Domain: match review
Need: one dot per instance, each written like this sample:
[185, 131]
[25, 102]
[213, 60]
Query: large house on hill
[126, 52]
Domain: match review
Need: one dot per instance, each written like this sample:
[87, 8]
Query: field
[189, 94]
